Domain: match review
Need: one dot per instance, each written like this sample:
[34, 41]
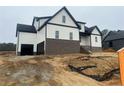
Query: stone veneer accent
[58, 46]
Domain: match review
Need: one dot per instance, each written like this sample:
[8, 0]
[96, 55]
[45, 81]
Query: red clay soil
[54, 70]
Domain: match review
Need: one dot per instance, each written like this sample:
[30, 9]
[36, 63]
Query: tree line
[7, 47]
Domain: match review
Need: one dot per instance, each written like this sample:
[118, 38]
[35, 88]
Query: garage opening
[26, 49]
[40, 48]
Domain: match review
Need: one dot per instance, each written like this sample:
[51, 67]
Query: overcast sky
[111, 18]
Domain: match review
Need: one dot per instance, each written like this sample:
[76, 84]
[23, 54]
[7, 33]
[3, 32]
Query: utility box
[121, 63]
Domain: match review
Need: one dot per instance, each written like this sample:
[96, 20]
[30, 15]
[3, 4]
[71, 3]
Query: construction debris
[106, 76]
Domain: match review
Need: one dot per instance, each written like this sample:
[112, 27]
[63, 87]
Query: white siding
[36, 24]
[95, 31]
[42, 21]
[27, 38]
[94, 43]
[85, 41]
[58, 19]
[39, 23]
[41, 35]
[63, 32]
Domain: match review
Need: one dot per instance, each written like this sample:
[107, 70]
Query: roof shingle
[114, 35]
[25, 28]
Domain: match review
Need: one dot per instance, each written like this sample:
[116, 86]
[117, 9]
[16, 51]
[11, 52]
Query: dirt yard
[97, 69]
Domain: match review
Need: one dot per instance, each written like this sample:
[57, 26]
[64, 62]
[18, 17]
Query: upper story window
[71, 36]
[63, 19]
[96, 39]
[57, 35]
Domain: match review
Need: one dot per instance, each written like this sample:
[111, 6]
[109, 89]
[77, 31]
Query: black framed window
[57, 35]
[71, 36]
[96, 39]
[63, 19]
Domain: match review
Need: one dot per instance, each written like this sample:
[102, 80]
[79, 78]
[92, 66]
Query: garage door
[40, 48]
[27, 49]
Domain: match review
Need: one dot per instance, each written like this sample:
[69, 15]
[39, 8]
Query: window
[63, 19]
[96, 39]
[57, 35]
[71, 36]
[110, 44]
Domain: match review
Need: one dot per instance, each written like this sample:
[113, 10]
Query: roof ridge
[56, 14]
[114, 35]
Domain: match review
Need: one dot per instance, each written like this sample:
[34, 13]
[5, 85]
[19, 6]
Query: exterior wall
[96, 46]
[42, 21]
[57, 46]
[58, 19]
[27, 38]
[36, 24]
[85, 41]
[94, 43]
[39, 23]
[41, 35]
[117, 44]
[63, 32]
[89, 43]
[95, 31]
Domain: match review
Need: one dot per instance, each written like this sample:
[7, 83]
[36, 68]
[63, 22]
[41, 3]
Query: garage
[40, 48]
[27, 49]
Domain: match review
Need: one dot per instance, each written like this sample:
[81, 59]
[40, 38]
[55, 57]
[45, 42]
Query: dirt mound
[103, 64]
[109, 50]
[26, 72]
[7, 53]
[54, 70]
[40, 71]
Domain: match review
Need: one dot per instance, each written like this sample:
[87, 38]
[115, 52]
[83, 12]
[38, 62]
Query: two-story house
[57, 34]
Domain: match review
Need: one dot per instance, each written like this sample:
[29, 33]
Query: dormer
[39, 21]
[82, 26]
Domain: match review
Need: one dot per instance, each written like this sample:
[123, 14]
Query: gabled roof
[114, 35]
[89, 30]
[38, 18]
[56, 14]
[25, 28]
